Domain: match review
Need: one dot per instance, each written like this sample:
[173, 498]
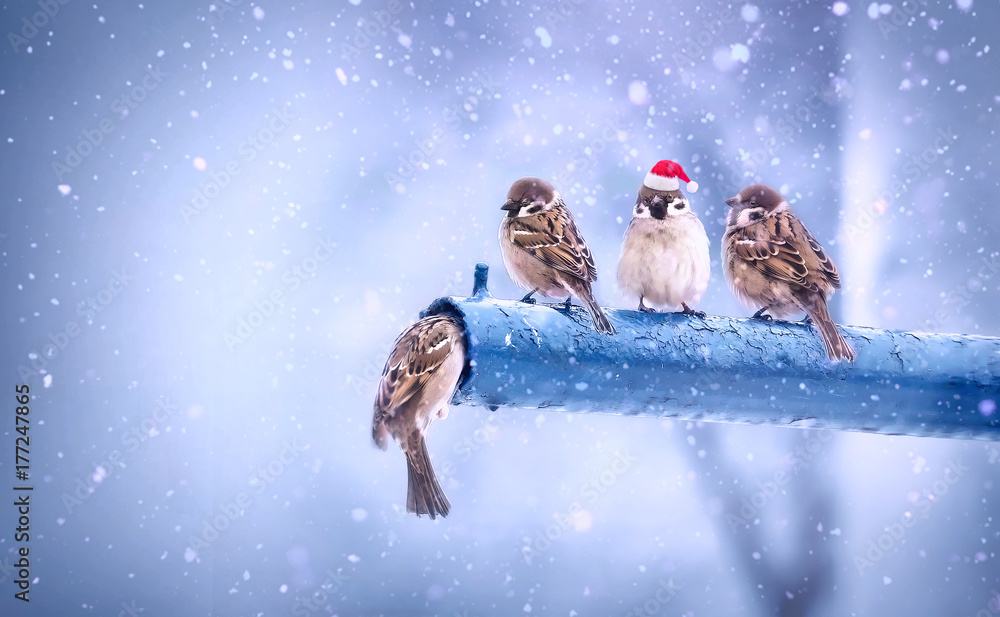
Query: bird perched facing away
[772, 261]
[543, 250]
[664, 255]
[417, 382]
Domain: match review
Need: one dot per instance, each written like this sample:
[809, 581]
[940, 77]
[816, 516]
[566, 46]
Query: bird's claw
[762, 315]
[686, 310]
[646, 309]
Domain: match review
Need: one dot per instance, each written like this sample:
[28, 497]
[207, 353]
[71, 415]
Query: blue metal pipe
[721, 369]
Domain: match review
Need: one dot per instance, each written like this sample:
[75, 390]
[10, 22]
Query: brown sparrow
[665, 250]
[543, 250]
[772, 261]
[417, 383]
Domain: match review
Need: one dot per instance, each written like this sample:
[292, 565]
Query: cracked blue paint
[723, 369]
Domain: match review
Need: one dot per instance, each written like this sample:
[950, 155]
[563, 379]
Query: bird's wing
[776, 247]
[825, 266]
[416, 355]
[552, 238]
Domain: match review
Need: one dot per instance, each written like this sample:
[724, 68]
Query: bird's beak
[732, 201]
[510, 204]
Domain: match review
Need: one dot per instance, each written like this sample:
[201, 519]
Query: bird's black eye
[753, 203]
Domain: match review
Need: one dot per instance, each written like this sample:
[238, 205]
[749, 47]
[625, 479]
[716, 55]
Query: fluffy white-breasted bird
[665, 259]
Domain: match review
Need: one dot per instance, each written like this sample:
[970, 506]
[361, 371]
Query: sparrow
[772, 261]
[418, 380]
[664, 255]
[543, 250]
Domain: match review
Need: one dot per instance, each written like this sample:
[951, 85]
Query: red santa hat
[666, 176]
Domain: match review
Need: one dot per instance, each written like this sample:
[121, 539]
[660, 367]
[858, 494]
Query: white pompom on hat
[666, 176]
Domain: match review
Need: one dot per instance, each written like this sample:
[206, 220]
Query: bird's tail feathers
[601, 323]
[424, 494]
[837, 348]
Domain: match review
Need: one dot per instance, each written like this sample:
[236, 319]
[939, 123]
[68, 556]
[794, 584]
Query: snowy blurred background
[218, 217]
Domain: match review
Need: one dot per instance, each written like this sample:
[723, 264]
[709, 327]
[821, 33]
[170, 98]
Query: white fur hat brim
[663, 183]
